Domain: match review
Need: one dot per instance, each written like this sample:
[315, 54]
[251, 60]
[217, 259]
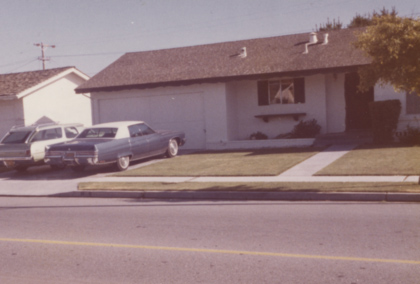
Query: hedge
[385, 115]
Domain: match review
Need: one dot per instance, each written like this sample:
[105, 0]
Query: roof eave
[296, 73]
[52, 80]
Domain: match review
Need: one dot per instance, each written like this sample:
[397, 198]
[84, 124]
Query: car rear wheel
[172, 148]
[123, 163]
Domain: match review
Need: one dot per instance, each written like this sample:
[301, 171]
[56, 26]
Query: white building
[43, 96]
[222, 93]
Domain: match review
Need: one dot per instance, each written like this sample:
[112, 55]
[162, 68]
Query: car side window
[48, 134]
[145, 129]
[134, 130]
[141, 129]
[71, 132]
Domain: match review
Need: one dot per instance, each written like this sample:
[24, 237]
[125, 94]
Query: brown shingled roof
[15, 83]
[214, 62]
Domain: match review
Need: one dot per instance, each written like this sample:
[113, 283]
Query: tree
[330, 26]
[393, 44]
[367, 20]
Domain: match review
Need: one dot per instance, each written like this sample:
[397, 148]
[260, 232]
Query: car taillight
[28, 153]
[54, 153]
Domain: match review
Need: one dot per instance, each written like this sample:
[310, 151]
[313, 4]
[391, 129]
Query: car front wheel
[123, 163]
[172, 148]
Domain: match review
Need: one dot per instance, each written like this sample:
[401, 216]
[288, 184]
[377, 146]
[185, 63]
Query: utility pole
[43, 58]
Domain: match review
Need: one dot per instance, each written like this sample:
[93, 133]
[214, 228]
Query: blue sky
[91, 34]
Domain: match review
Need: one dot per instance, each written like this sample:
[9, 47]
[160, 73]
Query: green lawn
[376, 160]
[264, 162]
[255, 186]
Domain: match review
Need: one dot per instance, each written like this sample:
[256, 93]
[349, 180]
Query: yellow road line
[397, 261]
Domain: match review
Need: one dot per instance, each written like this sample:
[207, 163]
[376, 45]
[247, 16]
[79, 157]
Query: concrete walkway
[319, 161]
[302, 172]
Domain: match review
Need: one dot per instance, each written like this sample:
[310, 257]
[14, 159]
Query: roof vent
[241, 54]
[313, 39]
[325, 39]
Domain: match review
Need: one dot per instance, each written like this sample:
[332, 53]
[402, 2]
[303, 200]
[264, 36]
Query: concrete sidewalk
[302, 172]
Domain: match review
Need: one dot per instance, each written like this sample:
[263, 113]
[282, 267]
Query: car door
[43, 138]
[157, 143]
[138, 142]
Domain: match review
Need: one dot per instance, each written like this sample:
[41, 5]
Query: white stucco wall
[336, 104]
[11, 114]
[232, 111]
[387, 92]
[245, 108]
[58, 102]
[216, 113]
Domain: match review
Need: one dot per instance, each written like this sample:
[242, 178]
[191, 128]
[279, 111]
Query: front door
[357, 103]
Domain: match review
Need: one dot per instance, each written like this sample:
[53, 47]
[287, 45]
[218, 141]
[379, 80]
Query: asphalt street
[74, 240]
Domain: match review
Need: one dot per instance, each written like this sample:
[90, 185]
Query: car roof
[116, 124]
[41, 126]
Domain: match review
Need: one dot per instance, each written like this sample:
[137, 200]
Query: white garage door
[183, 112]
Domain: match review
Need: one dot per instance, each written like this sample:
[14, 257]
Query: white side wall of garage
[58, 102]
[11, 113]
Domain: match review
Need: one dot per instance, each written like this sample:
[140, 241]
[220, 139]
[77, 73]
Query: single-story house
[43, 96]
[222, 93]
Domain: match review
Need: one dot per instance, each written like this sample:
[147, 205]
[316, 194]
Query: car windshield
[16, 137]
[98, 133]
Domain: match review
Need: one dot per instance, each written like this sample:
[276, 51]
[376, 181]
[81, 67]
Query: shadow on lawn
[324, 188]
[258, 188]
[394, 145]
[258, 152]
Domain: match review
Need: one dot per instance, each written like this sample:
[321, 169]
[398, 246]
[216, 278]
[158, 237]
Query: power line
[23, 65]
[16, 63]
[89, 54]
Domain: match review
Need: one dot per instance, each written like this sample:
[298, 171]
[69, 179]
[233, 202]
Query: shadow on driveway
[45, 172]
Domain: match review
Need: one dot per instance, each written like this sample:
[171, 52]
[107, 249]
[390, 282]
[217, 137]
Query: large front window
[281, 92]
[285, 91]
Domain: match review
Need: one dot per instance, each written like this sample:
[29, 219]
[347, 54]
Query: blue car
[115, 142]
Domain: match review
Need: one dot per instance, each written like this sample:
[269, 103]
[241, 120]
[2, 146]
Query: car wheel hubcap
[124, 161]
[173, 147]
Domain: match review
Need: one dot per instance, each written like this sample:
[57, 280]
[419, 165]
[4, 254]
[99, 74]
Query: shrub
[385, 115]
[410, 136]
[306, 129]
[258, 136]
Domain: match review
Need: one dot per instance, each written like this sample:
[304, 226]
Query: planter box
[258, 144]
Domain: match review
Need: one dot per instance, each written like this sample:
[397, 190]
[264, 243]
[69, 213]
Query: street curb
[234, 195]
